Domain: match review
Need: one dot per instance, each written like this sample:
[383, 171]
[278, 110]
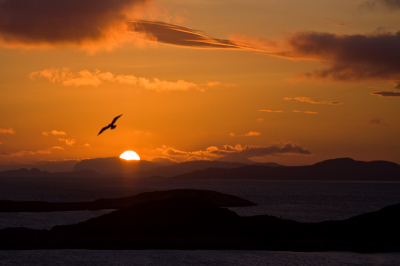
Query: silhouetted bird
[112, 126]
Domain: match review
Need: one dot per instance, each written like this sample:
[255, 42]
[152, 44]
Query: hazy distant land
[343, 169]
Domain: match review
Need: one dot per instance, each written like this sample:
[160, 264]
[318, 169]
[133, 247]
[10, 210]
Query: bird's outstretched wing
[104, 128]
[115, 119]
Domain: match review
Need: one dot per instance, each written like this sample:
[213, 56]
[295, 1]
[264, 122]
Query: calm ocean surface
[307, 201]
[192, 258]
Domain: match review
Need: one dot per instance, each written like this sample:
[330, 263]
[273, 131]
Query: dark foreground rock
[193, 223]
[220, 199]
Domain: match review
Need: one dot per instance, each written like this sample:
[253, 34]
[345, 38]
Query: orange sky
[293, 82]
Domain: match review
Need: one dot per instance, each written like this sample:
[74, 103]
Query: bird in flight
[112, 126]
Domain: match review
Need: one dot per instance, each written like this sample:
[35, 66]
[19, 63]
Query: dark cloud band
[35, 22]
[387, 94]
[184, 36]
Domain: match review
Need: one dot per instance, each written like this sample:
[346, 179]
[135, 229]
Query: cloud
[89, 24]
[349, 57]
[271, 111]
[69, 142]
[25, 152]
[17, 154]
[7, 131]
[248, 151]
[376, 121]
[57, 148]
[54, 132]
[294, 111]
[86, 78]
[258, 43]
[372, 4]
[286, 148]
[387, 94]
[162, 159]
[252, 134]
[308, 100]
[260, 151]
[305, 112]
[174, 152]
[44, 152]
[178, 35]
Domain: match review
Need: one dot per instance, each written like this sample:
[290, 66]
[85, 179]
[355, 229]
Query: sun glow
[130, 155]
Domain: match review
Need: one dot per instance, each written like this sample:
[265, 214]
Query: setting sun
[130, 155]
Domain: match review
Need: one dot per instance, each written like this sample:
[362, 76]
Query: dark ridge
[194, 223]
[173, 217]
[187, 167]
[220, 199]
[114, 165]
[343, 169]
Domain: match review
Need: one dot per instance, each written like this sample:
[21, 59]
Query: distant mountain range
[142, 168]
[343, 169]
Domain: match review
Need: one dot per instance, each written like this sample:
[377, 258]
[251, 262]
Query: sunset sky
[289, 81]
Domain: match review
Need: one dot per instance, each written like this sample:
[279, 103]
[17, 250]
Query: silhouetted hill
[217, 198]
[194, 223]
[174, 217]
[337, 169]
[115, 165]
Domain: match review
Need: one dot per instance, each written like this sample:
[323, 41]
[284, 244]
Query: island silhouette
[194, 220]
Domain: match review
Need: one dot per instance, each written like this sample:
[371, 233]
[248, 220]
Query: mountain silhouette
[142, 168]
[343, 169]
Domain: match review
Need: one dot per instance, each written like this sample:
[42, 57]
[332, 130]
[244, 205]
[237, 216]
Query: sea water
[192, 258]
[307, 201]
[304, 201]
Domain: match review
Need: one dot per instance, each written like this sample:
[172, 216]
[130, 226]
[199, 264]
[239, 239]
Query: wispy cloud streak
[387, 94]
[308, 100]
[7, 131]
[178, 35]
[86, 78]
[213, 152]
[54, 132]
